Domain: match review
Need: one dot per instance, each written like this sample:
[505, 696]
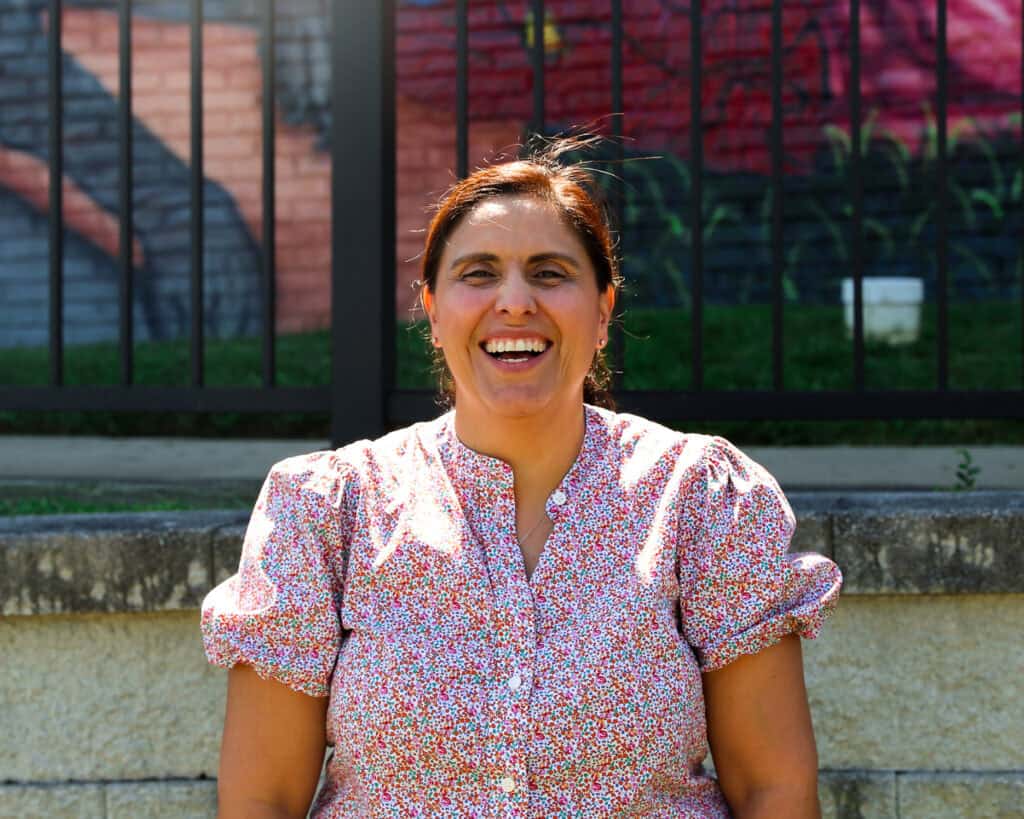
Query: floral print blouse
[387, 576]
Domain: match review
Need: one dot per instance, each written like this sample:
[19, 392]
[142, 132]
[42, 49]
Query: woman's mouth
[515, 350]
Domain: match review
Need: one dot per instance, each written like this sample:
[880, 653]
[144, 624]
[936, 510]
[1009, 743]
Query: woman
[531, 606]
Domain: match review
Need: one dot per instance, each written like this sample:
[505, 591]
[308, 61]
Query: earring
[601, 343]
[436, 341]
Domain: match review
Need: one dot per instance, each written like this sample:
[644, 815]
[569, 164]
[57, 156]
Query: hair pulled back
[572, 190]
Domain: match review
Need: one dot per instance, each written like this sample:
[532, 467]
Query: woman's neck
[540, 449]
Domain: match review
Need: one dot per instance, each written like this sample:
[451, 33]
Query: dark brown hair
[569, 187]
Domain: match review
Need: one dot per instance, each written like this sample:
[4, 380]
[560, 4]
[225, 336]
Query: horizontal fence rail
[362, 398]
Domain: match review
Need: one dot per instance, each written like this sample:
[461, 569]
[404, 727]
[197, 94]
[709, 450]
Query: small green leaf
[675, 225]
[987, 198]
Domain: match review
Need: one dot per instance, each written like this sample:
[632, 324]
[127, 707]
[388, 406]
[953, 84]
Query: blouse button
[514, 682]
[558, 497]
[508, 784]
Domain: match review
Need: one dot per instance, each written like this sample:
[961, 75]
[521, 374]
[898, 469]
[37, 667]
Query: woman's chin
[514, 402]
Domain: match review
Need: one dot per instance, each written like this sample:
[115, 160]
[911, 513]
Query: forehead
[514, 225]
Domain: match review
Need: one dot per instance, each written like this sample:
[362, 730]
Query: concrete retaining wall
[110, 710]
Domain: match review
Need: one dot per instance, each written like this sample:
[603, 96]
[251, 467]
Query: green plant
[966, 472]
[645, 190]
[900, 219]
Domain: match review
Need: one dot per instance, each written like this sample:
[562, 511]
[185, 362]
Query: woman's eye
[477, 274]
[550, 274]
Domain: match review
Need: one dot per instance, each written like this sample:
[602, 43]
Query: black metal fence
[362, 397]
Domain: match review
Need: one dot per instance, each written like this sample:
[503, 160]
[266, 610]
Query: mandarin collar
[477, 477]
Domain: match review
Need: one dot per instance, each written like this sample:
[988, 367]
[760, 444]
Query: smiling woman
[559, 208]
[522, 322]
[532, 605]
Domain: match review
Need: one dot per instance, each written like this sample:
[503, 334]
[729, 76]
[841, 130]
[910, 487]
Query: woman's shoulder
[634, 437]
[638, 446]
[339, 476]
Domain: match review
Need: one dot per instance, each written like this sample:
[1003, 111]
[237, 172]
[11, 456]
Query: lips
[515, 352]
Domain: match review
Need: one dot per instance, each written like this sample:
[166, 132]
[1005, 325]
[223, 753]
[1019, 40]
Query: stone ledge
[857, 794]
[918, 542]
[996, 795]
[145, 562]
[884, 542]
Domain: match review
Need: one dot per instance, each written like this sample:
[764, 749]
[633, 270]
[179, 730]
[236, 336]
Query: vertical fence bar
[362, 217]
[857, 184]
[56, 200]
[696, 197]
[778, 258]
[537, 61]
[126, 245]
[196, 190]
[462, 88]
[269, 210]
[1022, 180]
[618, 337]
[942, 217]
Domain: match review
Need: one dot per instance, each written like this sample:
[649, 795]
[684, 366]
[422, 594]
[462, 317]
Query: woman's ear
[607, 305]
[427, 300]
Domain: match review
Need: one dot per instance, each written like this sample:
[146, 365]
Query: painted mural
[90, 155]
[898, 90]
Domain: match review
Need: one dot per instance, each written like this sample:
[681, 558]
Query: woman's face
[516, 308]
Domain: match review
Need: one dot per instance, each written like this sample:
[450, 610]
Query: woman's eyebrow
[551, 256]
[565, 258]
[473, 257]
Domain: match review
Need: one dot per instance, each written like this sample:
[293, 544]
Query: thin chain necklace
[533, 529]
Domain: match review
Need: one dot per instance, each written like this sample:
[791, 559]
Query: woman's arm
[272, 751]
[760, 733]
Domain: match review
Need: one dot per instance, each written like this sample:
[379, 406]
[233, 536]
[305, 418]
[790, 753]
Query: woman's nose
[515, 296]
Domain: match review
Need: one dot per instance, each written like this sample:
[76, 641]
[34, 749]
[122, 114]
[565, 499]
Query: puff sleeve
[280, 612]
[740, 590]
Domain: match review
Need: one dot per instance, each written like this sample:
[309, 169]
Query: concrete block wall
[916, 684]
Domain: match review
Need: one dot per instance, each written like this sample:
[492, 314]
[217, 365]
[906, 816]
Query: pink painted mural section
[898, 85]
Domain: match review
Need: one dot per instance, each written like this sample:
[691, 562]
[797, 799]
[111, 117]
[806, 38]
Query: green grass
[60, 505]
[984, 339]
[84, 497]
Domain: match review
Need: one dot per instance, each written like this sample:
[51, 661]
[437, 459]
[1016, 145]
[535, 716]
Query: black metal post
[363, 217]
[462, 88]
[269, 210]
[56, 203]
[537, 61]
[617, 336]
[696, 197]
[196, 191]
[942, 216]
[778, 257]
[857, 184]
[126, 247]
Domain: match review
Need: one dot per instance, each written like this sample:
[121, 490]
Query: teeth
[515, 345]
